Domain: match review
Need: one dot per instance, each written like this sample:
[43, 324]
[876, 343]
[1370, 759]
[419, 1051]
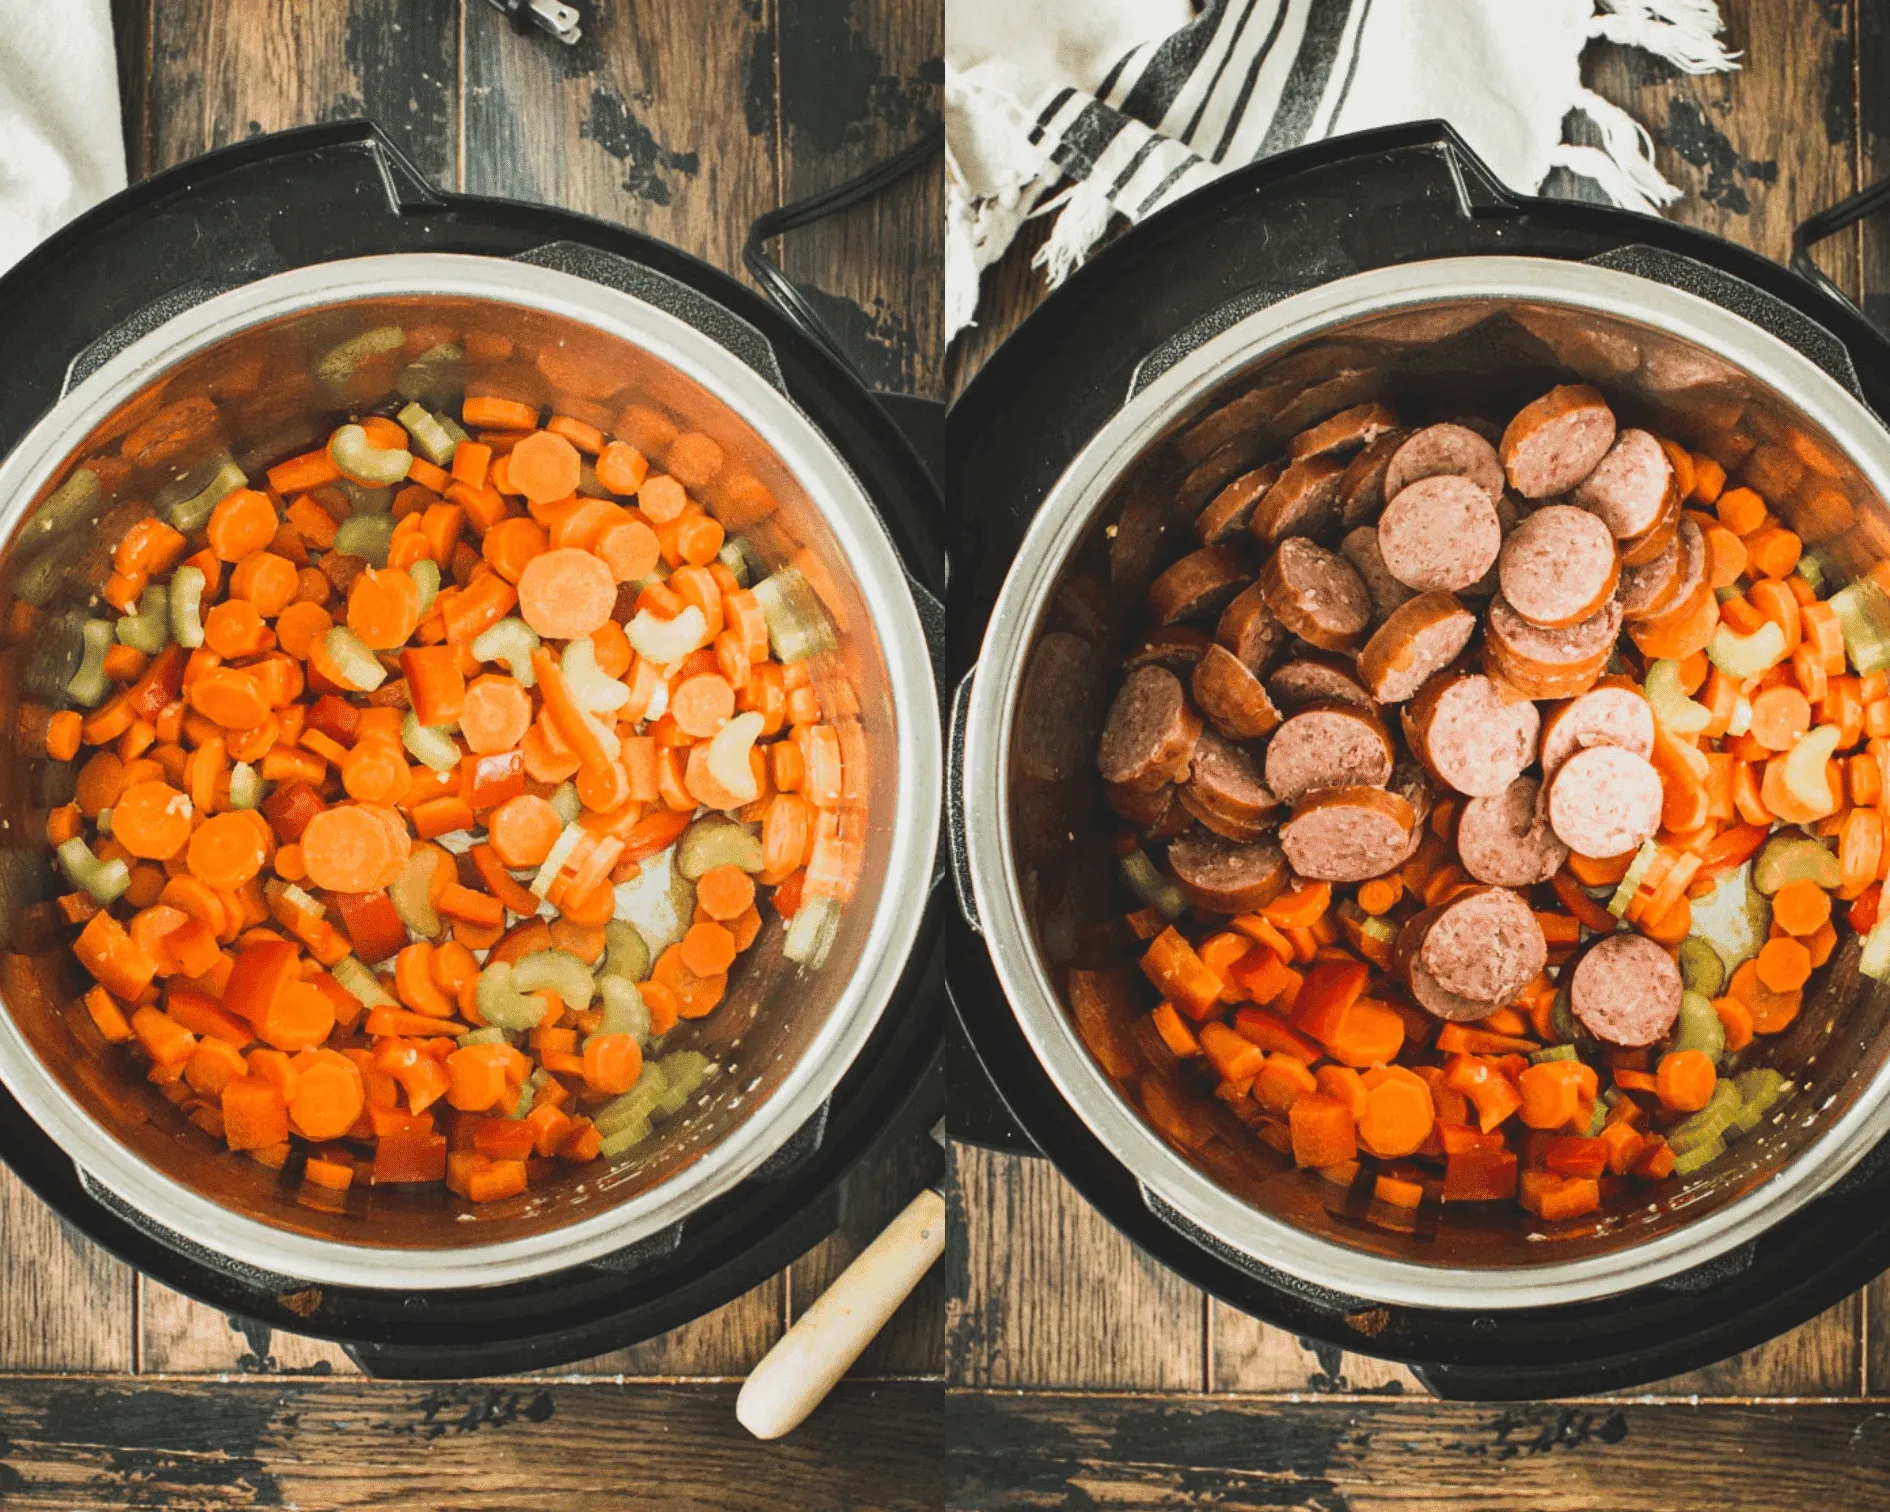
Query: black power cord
[776, 284]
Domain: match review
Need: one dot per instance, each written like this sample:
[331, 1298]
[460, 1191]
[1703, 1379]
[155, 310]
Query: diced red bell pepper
[1326, 996]
[487, 781]
[334, 717]
[289, 809]
[1480, 1176]
[372, 924]
[1576, 1155]
[262, 970]
[408, 1154]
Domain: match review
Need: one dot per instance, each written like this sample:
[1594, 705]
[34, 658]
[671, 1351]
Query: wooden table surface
[684, 119]
[1080, 1373]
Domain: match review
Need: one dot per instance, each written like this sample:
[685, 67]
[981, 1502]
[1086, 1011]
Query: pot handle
[955, 803]
[1828, 222]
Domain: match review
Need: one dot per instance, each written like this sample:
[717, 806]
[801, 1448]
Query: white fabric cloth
[62, 145]
[1094, 108]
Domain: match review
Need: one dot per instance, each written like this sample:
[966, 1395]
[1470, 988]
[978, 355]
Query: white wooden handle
[796, 1375]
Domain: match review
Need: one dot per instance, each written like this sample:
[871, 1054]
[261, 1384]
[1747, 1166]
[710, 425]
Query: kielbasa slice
[1612, 714]
[1542, 663]
[1059, 707]
[1460, 726]
[1647, 546]
[1347, 834]
[1331, 747]
[1226, 792]
[1303, 681]
[1628, 488]
[1228, 512]
[1316, 594]
[1506, 840]
[1232, 699]
[1193, 806]
[1303, 502]
[1558, 567]
[1647, 591]
[1201, 583]
[1604, 801]
[1222, 876]
[1555, 441]
[1156, 812]
[1625, 990]
[1452, 448]
[1248, 629]
[1439, 532]
[1360, 548]
[1344, 433]
[1408, 966]
[1409, 783]
[1416, 642]
[1362, 489]
[1176, 647]
[1150, 730]
[1484, 945]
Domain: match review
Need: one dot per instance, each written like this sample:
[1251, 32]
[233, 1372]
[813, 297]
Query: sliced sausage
[1344, 433]
[1484, 945]
[1624, 989]
[1201, 583]
[1408, 966]
[1506, 840]
[1176, 647]
[1156, 812]
[1226, 792]
[1543, 663]
[1150, 732]
[1360, 548]
[1316, 594]
[1628, 488]
[1645, 547]
[1461, 728]
[1555, 441]
[1332, 747]
[1232, 699]
[1302, 681]
[1348, 834]
[1248, 629]
[1418, 641]
[1362, 489]
[1409, 783]
[1604, 801]
[1507, 515]
[1649, 590]
[1439, 532]
[1303, 502]
[1228, 512]
[1615, 713]
[1223, 876]
[1558, 567]
[1452, 449]
[1059, 708]
[1194, 807]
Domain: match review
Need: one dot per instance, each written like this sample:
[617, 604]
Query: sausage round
[1541, 663]
[1347, 834]
[1224, 777]
[1670, 580]
[1439, 532]
[1432, 996]
[1230, 697]
[1176, 647]
[1223, 876]
[1558, 566]
[1059, 707]
[1362, 488]
[1506, 840]
[1611, 714]
[1451, 448]
[1624, 989]
[1484, 945]
[1409, 783]
[1303, 681]
[1201, 583]
[1344, 433]
[1150, 731]
[1332, 747]
[1650, 543]
[1604, 801]
[1248, 629]
[1627, 490]
[1461, 728]
[1415, 643]
[1304, 501]
[1156, 812]
[1360, 548]
[1316, 594]
[1554, 442]
[1228, 512]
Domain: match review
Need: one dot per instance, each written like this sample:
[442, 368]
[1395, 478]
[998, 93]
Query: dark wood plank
[221, 72]
[1822, 1358]
[65, 1305]
[1042, 1292]
[1015, 1451]
[177, 1336]
[859, 79]
[655, 120]
[329, 1445]
[1873, 142]
[722, 1345]
[131, 31]
[1010, 290]
[1248, 1356]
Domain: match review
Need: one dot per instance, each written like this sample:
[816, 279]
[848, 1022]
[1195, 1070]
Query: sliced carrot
[566, 593]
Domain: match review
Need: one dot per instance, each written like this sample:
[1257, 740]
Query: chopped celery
[1759, 1089]
[561, 972]
[560, 853]
[366, 536]
[1741, 719]
[1152, 886]
[734, 556]
[626, 952]
[490, 1035]
[511, 641]
[1743, 657]
[186, 607]
[363, 500]
[1806, 776]
[565, 802]
[358, 665]
[426, 577]
[797, 624]
[1672, 707]
[1687, 1161]
[1631, 879]
[245, 786]
[103, 881]
[684, 1071]
[1562, 1019]
[1812, 567]
[72, 500]
[430, 439]
[1701, 968]
[717, 840]
[1874, 959]
[589, 684]
[729, 757]
[1597, 1119]
[360, 459]
[149, 630]
[1707, 1124]
[624, 1010]
[810, 932]
[1553, 1053]
[663, 642]
[436, 377]
[624, 1138]
[502, 1003]
[638, 1103]
[1793, 856]
[1734, 918]
[361, 983]
[335, 367]
[1863, 611]
[1698, 1027]
[194, 512]
[89, 685]
[429, 744]
[411, 895]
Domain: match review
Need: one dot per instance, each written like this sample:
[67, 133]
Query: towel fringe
[1624, 162]
[1684, 32]
[1083, 219]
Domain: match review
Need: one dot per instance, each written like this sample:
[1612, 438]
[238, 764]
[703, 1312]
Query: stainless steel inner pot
[1440, 338]
[254, 373]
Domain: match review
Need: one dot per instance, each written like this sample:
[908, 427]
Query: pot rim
[1164, 1176]
[806, 453]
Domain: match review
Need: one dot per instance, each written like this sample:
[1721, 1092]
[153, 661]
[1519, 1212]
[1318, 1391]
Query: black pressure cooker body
[1394, 196]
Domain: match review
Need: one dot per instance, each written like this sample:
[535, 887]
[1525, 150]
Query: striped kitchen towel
[1097, 108]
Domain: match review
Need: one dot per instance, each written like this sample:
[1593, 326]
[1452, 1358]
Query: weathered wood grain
[724, 1344]
[1042, 1292]
[222, 72]
[177, 1336]
[1010, 290]
[1873, 151]
[660, 119]
[131, 31]
[858, 81]
[323, 1446]
[1017, 1451]
[1246, 1355]
[1821, 1358]
[64, 1303]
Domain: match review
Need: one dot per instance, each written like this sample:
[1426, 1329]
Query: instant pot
[237, 307]
[1386, 265]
